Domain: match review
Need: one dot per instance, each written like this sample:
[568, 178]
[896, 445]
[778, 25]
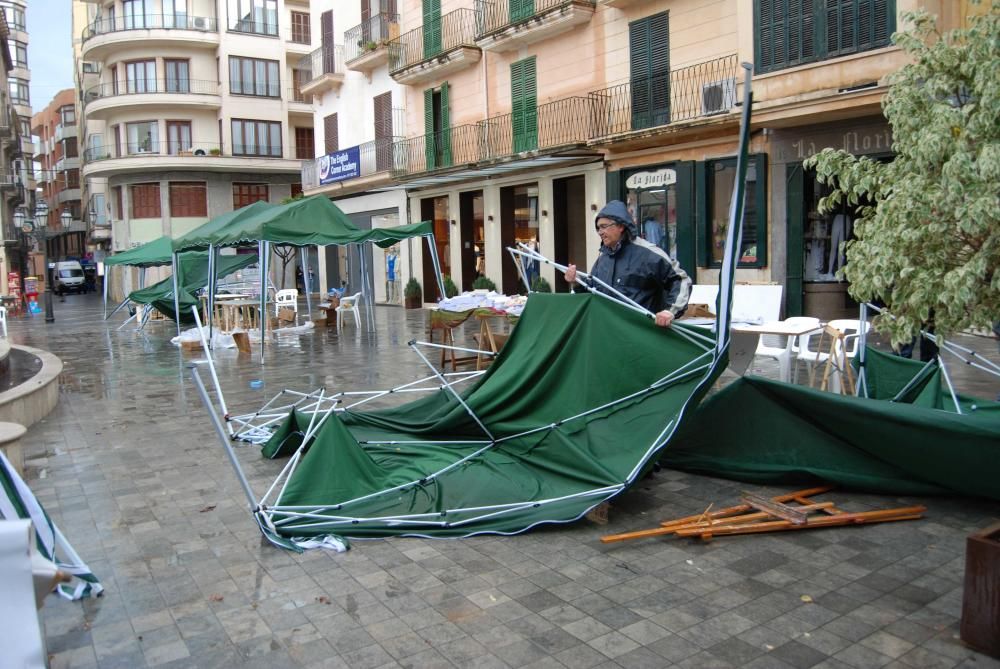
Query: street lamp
[38, 226]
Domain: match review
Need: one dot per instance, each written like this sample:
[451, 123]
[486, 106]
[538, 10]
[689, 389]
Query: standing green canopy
[152, 254]
[203, 235]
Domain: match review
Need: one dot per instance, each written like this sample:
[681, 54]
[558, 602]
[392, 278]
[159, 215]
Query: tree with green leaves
[927, 223]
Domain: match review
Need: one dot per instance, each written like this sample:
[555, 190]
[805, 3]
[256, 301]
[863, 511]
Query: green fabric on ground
[569, 354]
[287, 438]
[192, 277]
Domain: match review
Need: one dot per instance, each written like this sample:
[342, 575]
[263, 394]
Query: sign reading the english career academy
[340, 165]
[659, 178]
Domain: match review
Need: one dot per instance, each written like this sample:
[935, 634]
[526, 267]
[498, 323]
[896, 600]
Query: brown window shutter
[327, 41]
[331, 141]
[366, 11]
[383, 115]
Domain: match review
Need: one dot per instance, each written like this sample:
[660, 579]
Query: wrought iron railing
[323, 60]
[373, 34]
[151, 21]
[458, 145]
[298, 34]
[151, 86]
[703, 89]
[555, 124]
[453, 30]
[495, 15]
[295, 94]
[374, 156]
[147, 148]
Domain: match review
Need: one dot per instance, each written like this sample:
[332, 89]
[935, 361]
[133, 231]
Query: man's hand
[570, 274]
[665, 318]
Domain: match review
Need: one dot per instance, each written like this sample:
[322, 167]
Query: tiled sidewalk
[129, 466]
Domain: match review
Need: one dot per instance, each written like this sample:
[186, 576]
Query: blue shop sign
[340, 165]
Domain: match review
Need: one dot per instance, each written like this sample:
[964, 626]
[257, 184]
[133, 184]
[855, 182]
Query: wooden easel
[760, 514]
[836, 360]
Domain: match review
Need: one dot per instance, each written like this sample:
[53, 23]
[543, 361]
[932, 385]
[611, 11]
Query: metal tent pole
[211, 367]
[304, 259]
[142, 278]
[861, 384]
[105, 292]
[175, 265]
[262, 252]
[432, 243]
[211, 294]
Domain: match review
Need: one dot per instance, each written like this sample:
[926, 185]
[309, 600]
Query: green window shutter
[649, 65]
[429, 144]
[524, 107]
[638, 38]
[858, 25]
[521, 9]
[432, 27]
[445, 128]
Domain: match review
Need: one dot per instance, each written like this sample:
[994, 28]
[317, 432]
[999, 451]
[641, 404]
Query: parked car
[68, 278]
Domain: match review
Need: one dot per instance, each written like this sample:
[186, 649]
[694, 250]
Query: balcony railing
[375, 33]
[374, 156]
[458, 145]
[704, 89]
[152, 86]
[452, 31]
[554, 124]
[494, 15]
[323, 60]
[151, 22]
[296, 95]
[147, 148]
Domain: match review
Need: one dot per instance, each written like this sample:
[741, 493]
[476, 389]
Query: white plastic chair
[287, 299]
[802, 350]
[3, 320]
[349, 305]
[782, 348]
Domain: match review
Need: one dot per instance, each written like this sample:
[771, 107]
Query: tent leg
[432, 243]
[105, 292]
[117, 309]
[262, 251]
[175, 265]
[211, 295]
[211, 367]
[304, 260]
[222, 437]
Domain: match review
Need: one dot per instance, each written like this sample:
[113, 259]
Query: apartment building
[58, 157]
[190, 110]
[16, 147]
[522, 117]
[358, 116]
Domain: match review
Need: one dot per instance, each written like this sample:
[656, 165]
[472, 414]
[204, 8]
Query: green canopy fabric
[305, 222]
[203, 235]
[770, 432]
[152, 254]
[386, 237]
[588, 370]
[192, 277]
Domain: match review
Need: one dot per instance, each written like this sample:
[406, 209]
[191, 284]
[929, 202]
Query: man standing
[637, 269]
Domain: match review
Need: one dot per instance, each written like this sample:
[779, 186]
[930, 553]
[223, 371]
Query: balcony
[64, 131]
[100, 233]
[367, 45]
[361, 166]
[151, 94]
[701, 92]
[500, 29]
[435, 49]
[300, 104]
[68, 195]
[619, 4]
[557, 131]
[101, 37]
[325, 68]
[203, 157]
[297, 42]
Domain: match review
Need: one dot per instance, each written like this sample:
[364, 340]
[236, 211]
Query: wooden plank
[776, 509]
[884, 515]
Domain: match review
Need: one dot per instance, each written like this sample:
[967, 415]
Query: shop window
[188, 198]
[720, 177]
[652, 201]
[145, 200]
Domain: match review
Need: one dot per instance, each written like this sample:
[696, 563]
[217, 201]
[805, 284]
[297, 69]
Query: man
[639, 270]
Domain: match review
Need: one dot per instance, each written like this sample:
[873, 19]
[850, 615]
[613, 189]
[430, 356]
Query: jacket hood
[618, 212]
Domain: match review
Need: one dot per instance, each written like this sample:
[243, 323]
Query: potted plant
[370, 46]
[450, 289]
[215, 151]
[483, 283]
[412, 294]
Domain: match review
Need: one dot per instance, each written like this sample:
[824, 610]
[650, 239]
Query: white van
[67, 277]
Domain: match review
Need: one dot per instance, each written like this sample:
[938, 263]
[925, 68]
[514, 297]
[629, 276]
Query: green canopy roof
[152, 254]
[192, 276]
[205, 234]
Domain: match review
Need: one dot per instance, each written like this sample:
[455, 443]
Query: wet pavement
[129, 466]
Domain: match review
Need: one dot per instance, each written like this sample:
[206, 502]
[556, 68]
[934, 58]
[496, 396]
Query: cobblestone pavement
[129, 467]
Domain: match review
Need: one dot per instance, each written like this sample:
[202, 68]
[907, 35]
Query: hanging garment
[839, 232]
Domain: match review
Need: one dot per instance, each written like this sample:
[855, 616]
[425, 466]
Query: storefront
[813, 240]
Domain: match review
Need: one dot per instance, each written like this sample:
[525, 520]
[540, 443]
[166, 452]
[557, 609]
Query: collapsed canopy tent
[151, 254]
[907, 439]
[193, 276]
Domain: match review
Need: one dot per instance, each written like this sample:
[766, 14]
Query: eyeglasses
[601, 227]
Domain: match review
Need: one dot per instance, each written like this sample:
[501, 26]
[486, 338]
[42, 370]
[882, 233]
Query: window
[15, 16]
[134, 14]
[95, 144]
[720, 178]
[254, 16]
[188, 198]
[25, 126]
[142, 137]
[305, 144]
[256, 138]
[326, 35]
[383, 131]
[524, 107]
[432, 27]
[300, 27]
[175, 14]
[67, 114]
[119, 212]
[437, 135]
[244, 194]
[140, 76]
[793, 32]
[72, 178]
[178, 79]
[98, 206]
[254, 76]
[70, 149]
[331, 134]
[145, 200]
[18, 52]
[178, 137]
[649, 70]
[19, 91]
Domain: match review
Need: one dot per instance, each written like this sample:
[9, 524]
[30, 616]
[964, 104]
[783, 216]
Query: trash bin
[981, 595]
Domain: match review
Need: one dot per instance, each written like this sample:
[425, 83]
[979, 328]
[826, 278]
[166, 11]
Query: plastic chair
[3, 320]
[287, 299]
[349, 304]
[803, 350]
[782, 348]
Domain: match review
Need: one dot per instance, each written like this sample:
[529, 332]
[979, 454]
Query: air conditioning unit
[718, 96]
[199, 23]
